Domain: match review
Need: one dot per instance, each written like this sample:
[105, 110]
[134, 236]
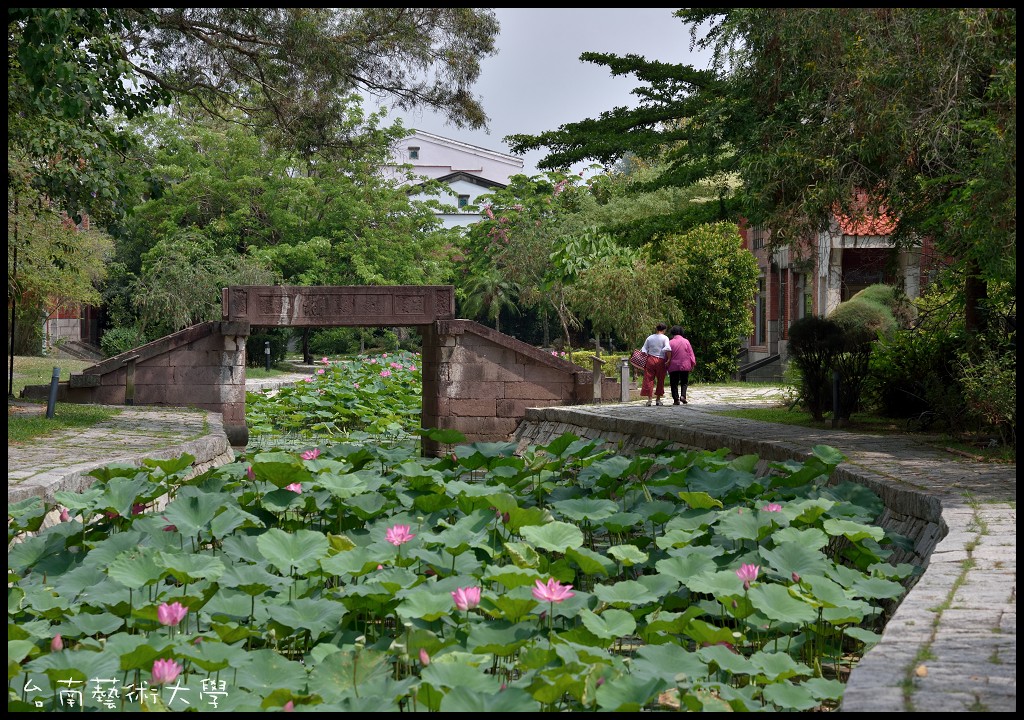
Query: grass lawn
[26, 423]
[39, 370]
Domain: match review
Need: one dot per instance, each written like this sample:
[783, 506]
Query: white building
[469, 172]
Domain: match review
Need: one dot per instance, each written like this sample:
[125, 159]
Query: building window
[757, 237]
[463, 201]
[760, 313]
[414, 153]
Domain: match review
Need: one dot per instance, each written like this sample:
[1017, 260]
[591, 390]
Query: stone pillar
[834, 281]
[232, 382]
[910, 266]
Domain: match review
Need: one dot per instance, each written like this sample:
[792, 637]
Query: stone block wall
[202, 366]
[480, 382]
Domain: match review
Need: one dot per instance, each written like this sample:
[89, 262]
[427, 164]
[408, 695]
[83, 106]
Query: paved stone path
[951, 644]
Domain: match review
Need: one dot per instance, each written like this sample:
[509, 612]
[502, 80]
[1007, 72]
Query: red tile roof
[865, 222]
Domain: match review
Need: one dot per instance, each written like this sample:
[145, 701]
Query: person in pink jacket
[682, 361]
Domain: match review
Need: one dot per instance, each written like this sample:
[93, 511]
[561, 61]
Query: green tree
[51, 264]
[180, 283]
[75, 75]
[517, 242]
[488, 294]
[286, 71]
[623, 295]
[809, 106]
[329, 222]
[289, 68]
[712, 278]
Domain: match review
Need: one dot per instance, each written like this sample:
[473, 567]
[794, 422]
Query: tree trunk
[307, 358]
[975, 295]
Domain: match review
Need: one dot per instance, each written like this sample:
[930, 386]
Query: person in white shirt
[659, 353]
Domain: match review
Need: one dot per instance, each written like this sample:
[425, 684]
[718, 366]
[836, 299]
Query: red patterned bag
[638, 359]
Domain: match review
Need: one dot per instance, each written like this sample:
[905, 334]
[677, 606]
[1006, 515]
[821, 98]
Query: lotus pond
[354, 576]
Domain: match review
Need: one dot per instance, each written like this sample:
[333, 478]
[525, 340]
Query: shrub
[867, 316]
[864, 317]
[990, 390]
[893, 299]
[122, 339]
[814, 343]
[334, 341]
[913, 371]
[612, 361]
[255, 346]
[28, 331]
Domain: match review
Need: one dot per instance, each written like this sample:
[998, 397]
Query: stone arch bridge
[475, 380]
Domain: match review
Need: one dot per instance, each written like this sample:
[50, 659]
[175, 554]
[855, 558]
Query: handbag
[638, 359]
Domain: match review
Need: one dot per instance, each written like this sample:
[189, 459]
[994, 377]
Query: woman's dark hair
[660, 327]
[676, 330]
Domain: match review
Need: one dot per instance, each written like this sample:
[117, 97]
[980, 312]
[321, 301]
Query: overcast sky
[536, 81]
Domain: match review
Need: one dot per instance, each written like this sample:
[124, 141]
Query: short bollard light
[51, 402]
[266, 352]
[624, 381]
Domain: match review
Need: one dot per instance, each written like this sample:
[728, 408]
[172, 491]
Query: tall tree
[808, 106]
[287, 71]
[75, 74]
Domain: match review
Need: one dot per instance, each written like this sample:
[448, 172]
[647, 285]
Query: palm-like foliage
[487, 293]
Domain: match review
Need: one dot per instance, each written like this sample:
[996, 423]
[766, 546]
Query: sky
[536, 81]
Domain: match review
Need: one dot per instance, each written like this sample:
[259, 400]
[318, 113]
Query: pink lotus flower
[466, 598]
[384, 355]
[250, 473]
[57, 644]
[795, 577]
[165, 671]
[294, 487]
[320, 371]
[64, 514]
[169, 528]
[373, 361]
[412, 368]
[325, 361]
[171, 614]
[748, 574]
[553, 591]
[385, 373]
[772, 507]
[309, 379]
[397, 366]
[138, 509]
[311, 454]
[398, 535]
[424, 657]
[355, 385]
[288, 706]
